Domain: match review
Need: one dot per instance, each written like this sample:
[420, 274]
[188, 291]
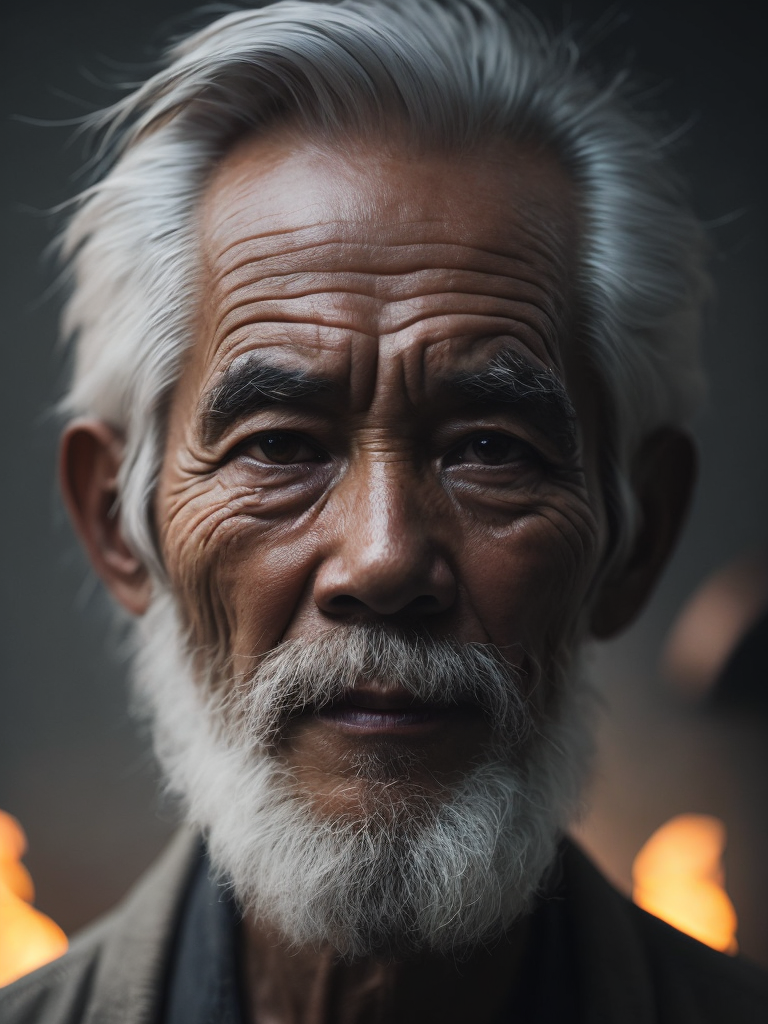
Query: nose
[388, 558]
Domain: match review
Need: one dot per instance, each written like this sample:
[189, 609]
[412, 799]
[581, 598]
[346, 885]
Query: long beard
[409, 871]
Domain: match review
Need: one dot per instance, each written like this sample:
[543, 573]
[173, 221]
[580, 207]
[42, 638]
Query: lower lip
[402, 722]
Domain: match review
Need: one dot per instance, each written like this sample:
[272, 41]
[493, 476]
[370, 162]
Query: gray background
[71, 766]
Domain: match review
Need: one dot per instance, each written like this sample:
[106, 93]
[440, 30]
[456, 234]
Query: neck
[316, 987]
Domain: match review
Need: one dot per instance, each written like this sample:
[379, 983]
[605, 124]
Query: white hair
[401, 871]
[454, 73]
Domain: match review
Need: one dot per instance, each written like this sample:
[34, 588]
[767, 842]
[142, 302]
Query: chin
[402, 868]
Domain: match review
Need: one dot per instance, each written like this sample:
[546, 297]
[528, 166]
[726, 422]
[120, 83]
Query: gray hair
[455, 73]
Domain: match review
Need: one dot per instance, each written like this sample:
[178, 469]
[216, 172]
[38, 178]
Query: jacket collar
[612, 969]
[611, 960]
[130, 973]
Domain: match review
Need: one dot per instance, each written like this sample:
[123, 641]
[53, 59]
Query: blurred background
[685, 730]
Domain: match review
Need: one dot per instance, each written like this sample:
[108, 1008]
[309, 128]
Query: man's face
[383, 421]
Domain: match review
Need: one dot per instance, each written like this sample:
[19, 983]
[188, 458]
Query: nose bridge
[383, 520]
[387, 556]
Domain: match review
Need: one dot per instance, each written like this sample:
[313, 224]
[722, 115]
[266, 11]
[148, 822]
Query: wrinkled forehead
[321, 251]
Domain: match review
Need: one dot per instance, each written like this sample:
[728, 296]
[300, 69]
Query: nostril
[345, 603]
[359, 584]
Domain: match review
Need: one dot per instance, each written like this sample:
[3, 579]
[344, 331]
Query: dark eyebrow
[509, 379]
[249, 385]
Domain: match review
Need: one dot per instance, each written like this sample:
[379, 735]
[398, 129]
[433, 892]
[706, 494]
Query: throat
[305, 986]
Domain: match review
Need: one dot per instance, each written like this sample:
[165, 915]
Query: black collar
[204, 985]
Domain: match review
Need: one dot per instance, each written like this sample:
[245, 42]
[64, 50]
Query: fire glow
[28, 939]
[678, 876]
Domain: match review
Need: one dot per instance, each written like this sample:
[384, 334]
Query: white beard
[407, 874]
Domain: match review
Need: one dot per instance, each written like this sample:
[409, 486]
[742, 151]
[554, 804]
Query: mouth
[392, 711]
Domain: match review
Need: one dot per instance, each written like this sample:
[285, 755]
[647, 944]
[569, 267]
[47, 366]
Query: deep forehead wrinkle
[517, 258]
[243, 283]
[249, 384]
[396, 295]
[510, 379]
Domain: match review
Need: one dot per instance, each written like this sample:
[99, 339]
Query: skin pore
[383, 419]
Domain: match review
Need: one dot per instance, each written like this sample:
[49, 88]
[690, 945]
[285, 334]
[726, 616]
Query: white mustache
[308, 675]
[446, 875]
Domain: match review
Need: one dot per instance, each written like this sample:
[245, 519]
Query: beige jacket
[632, 969]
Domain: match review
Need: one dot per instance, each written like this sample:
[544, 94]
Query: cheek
[238, 577]
[528, 582]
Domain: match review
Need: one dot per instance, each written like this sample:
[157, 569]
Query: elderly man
[384, 321]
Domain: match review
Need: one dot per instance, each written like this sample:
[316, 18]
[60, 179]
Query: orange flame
[678, 876]
[28, 939]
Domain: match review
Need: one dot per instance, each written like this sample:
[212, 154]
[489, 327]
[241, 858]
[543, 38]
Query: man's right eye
[281, 448]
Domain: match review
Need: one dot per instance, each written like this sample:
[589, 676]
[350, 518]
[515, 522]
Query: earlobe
[663, 477]
[90, 457]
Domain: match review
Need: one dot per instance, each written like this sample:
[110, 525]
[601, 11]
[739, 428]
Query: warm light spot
[28, 939]
[15, 877]
[678, 876]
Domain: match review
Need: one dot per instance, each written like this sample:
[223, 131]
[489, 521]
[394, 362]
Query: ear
[663, 475]
[90, 457]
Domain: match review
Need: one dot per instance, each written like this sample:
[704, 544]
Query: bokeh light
[678, 876]
[28, 939]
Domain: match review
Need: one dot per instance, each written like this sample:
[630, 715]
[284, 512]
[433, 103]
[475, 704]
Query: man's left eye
[282, 448]
[491, 449]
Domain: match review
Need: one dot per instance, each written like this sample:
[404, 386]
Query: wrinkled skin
[387, 495]
[383, 275]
